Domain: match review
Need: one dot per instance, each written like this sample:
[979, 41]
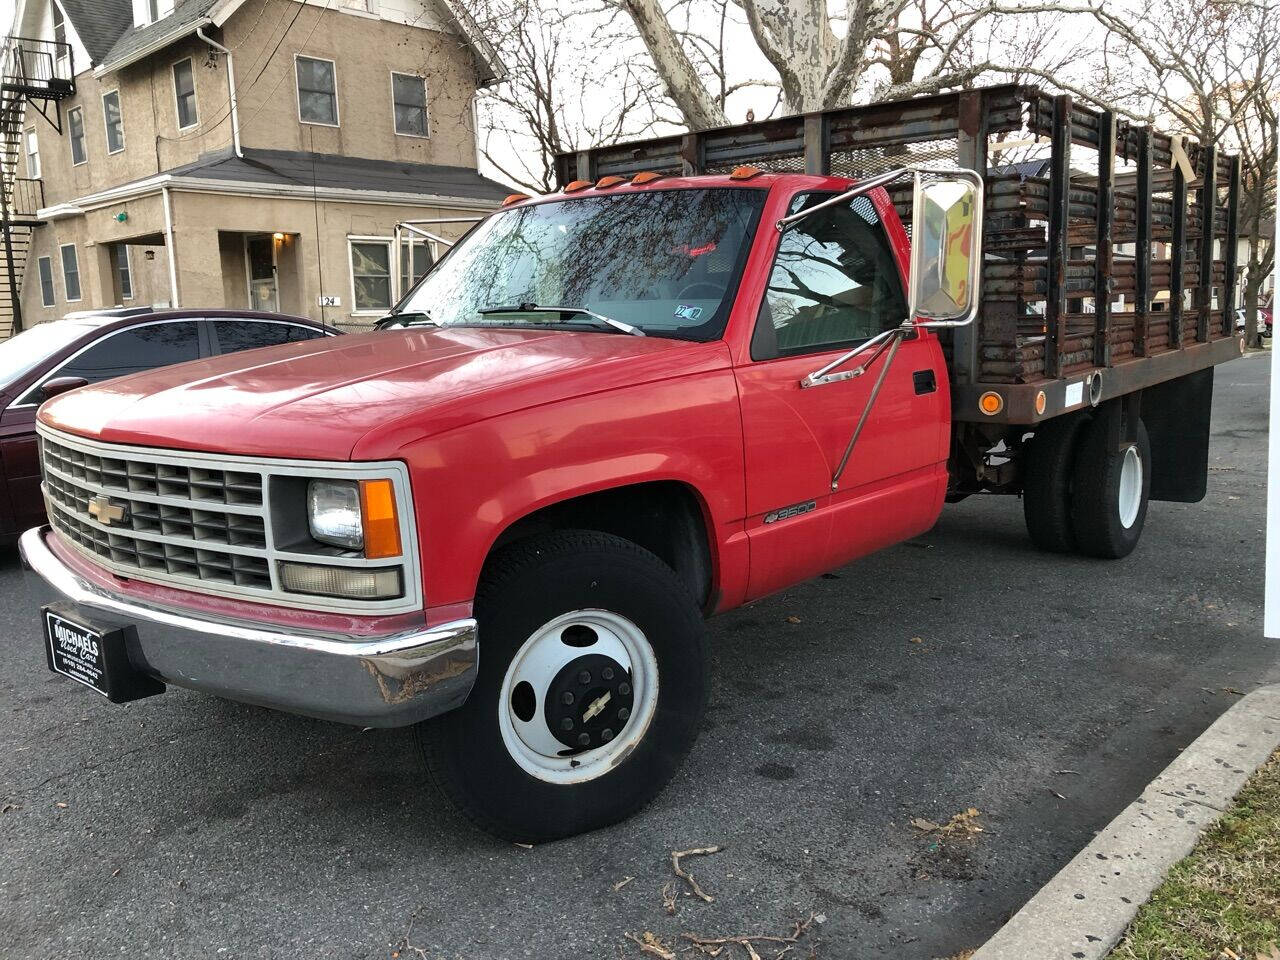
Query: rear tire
[1046, 484]
[582, 635]
[1110, 490]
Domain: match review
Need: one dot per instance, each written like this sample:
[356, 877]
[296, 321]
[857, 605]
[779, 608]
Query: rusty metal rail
[1108, 242]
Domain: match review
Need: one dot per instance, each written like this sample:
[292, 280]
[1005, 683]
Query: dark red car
[89, 347]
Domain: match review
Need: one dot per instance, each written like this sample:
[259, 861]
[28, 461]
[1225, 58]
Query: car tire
[553, 611]
[1046, 484]
[1110, 489]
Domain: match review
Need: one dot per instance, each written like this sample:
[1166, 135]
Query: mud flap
[1176, 414]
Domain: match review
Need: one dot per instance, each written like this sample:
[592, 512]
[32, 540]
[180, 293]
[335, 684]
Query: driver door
[835, 283]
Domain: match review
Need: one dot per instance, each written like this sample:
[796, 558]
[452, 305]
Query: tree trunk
[1252, 289]
[677, 71]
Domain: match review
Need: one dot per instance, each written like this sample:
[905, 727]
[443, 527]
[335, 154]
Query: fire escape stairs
[39, 73]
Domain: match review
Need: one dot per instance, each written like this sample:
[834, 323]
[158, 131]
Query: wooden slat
[1059, 211]
[1103, 259]
[1178, 257]
[1208, 207]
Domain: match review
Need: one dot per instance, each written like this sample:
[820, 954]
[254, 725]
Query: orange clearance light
[514, 198]
[381, 526]
[645, 176]
[604, 183]
[1040, 403]
[989, 403]
[577, 185]
[744, 173]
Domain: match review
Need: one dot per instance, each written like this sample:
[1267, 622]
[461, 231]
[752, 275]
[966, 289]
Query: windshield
[21, 354]
[664, 261]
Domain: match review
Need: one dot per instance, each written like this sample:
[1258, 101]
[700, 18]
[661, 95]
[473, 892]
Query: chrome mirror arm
[824, 375]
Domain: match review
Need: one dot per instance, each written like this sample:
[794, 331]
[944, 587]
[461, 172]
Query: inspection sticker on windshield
[686, 312]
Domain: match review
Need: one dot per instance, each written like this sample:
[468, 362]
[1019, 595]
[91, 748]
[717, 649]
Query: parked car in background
[91, 346]
[1264, 321]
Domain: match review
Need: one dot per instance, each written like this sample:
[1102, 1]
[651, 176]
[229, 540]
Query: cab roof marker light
[604, 183]
[745, 173]
[514, 198]
[645, 176]
[576, 185]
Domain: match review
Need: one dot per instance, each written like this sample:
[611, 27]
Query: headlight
[333, 513]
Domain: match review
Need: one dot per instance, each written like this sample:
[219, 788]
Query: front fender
[473, 482]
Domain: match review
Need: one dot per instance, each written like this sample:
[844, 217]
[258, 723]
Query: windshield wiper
[410, 318]
[577, 311]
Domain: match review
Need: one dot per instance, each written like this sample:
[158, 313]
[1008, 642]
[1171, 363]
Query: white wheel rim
[1130, 487]
[540, 660]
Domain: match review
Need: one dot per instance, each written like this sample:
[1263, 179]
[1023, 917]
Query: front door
[264, 292]
[835, 283]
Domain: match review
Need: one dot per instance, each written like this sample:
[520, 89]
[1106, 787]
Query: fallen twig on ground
[622, 883]
[677, 855]
[669, 896]
[713, 945]
[651, 944]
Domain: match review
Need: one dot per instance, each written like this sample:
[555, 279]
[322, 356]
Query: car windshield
[664, 261]
[21, 354]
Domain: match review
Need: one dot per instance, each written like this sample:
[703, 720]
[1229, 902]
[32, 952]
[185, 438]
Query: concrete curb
[1083, 911]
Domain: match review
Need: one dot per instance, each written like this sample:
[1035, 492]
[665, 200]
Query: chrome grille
[178, 519]
[203, 521]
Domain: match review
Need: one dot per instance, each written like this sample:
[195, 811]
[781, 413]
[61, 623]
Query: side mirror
[51, 388]
[946, 248]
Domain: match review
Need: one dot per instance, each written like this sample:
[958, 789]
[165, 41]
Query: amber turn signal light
[991, 403]
[1040, 403]
[381, 525]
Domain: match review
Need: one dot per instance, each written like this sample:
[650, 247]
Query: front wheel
[591, 686]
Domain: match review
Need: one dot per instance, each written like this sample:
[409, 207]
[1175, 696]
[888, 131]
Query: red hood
[319, 399]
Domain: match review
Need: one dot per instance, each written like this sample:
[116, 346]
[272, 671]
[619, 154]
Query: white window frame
[408, 240]
[62, 261]
[84, 137]
[31, 138]
[297, 91]
[392, 279]
[53, 288]
[426, 106]
[346, 6]
[106, 123]
[128, 268]
[195, 97]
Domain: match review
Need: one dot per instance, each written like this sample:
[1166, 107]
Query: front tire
[1110, 490]
[590, 689]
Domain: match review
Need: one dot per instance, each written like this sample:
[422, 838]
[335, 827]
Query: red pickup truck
[604, 415]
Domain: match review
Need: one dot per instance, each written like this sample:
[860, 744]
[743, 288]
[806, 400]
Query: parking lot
[959, 670]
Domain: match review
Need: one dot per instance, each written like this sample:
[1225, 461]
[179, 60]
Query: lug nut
[584, 739]
[607, 673]
[584, 676]
[566, 723]
[606, 735]
[566, 698]
[624, 688]
[624, 713]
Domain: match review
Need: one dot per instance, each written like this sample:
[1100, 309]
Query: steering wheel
[688, 292]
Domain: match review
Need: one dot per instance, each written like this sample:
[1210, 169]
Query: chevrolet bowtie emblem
[105, 511]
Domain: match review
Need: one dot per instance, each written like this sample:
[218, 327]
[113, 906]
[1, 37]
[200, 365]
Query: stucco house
[237, 153]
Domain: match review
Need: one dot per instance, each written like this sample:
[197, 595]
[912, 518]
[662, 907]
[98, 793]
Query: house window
[416, 258]
[70, 272]
[363, 6]
[45, 265]
[184, 90]
[317, 91]
[75, 130]
[114, 121]
[409, 100]
[33, 155]
[153, 11]
[120, 264]
[370, 275]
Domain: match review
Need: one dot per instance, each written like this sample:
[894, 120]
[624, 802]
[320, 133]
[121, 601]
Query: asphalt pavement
[961, 670]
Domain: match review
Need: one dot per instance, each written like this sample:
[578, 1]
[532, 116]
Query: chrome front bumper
[389, 681]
